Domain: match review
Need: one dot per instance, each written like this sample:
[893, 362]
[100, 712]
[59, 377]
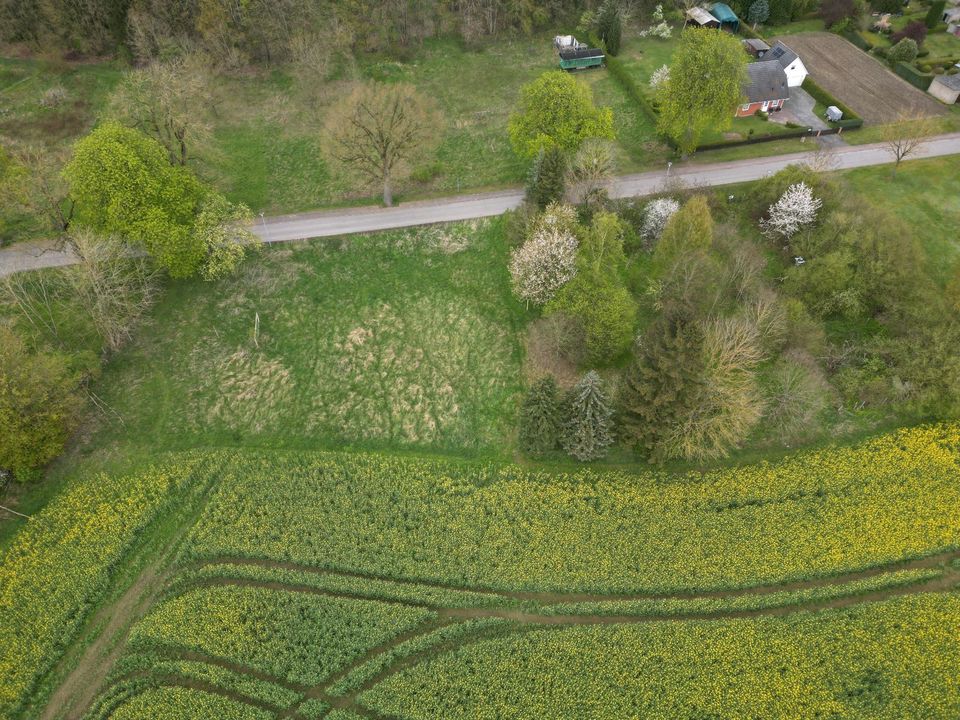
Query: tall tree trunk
[387, 190]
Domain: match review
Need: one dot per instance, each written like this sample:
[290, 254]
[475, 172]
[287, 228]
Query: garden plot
[855, 78]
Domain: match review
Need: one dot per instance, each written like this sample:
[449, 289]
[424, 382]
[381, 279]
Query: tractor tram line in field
[528, 611]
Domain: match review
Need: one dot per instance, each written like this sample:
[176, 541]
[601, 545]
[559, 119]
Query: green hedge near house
[822, 96]
[913, 76]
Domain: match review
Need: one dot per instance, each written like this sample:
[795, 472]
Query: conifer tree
[587, 433]
[546, 180]
[661, 383]
[540, 417]
[610, 26]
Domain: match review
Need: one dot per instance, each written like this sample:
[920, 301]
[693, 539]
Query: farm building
[727, 17]
[766, 89]
[790, 62]
[755, 47]
[946, 88]
[701, 18]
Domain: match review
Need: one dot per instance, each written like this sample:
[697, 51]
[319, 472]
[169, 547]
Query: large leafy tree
[124, 186]
[557, 110]
[706, 82]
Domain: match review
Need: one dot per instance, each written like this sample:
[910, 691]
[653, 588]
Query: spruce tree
[546, 180]
[661, 383]
[540, 418]
[587, 433]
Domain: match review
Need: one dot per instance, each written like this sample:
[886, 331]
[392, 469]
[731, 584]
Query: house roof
[723, 13]
[781, 53]
[950, 81]
[701, 16]
[756, 44]
[768, 81]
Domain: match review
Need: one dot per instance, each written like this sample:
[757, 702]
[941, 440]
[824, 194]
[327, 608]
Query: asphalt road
[327, 223]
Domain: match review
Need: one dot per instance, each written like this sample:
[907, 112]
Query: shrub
[916, 31]
[607, 311]
[834, 12]
[39, 405]
[904, 50]
[587, 432]
[540, 418]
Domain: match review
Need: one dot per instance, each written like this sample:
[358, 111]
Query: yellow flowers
[60, 564]
[894, 660]
[816, 513]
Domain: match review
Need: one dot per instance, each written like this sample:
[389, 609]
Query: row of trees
[262, 31]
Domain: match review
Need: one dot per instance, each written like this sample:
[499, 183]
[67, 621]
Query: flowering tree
[660, 76]
[796, 208]
[544, 263]
[659, 29]
[655, 217]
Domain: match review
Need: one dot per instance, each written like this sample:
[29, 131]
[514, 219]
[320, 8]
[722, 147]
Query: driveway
[799, 110]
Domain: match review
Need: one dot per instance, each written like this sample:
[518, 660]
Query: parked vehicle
[581, 58]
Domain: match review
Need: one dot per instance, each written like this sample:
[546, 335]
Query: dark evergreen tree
[546, 181]
[587, 432]
[935, 13]
[540, 418]
[610, 26]
[661, 383]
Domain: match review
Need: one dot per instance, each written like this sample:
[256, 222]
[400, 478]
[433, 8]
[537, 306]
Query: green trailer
[581, 58]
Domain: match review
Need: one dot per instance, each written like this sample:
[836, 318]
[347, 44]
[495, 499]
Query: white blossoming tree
[660, 76]
[795, 209]
[655, 217]
[544, 263]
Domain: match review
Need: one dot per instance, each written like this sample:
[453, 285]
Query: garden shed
[755, 47]
[946, 88]
[727, 17]
[701, 18]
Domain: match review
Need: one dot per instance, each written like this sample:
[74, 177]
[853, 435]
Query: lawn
[408, 338]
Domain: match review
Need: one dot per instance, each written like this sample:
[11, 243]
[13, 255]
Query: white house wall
[796, 73]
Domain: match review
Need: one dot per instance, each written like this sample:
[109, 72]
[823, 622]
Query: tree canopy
[123, 185]
[706, 82]
[557, 110]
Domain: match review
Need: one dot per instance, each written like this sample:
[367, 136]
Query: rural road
[327, 223]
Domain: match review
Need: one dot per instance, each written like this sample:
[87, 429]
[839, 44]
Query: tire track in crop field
[926, 562]
[74, 695]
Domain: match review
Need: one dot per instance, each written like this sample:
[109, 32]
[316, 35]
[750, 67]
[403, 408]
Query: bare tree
[169, 102]
[113, 284]
[378, 129]
[905, 136]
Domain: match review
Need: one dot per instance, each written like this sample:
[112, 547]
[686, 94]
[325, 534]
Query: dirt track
[859, 80]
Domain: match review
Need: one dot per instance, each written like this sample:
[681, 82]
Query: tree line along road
[328, 223]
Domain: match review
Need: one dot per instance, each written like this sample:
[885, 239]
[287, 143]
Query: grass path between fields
[522, 611]
[73, 697]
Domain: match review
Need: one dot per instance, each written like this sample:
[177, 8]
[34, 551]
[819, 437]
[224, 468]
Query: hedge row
[822, 96]
[912, 75]
[620, 73]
